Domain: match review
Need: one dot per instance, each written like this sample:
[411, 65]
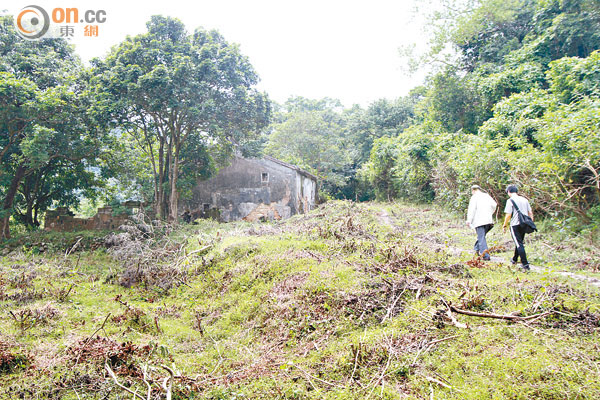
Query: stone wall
[62, 220]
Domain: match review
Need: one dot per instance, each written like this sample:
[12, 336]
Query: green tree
[381, 118]
[453, 101]
[168, 88]
[44, 123]
[381, 168]
[41, 127]
[311, 134]
[60, 182]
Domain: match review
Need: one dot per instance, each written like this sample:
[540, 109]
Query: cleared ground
[352, 301]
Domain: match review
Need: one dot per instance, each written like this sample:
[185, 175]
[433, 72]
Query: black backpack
[525, 221]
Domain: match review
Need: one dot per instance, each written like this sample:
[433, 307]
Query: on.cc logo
[32, 22]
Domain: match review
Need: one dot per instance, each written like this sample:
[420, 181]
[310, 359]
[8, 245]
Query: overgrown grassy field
[352, 301]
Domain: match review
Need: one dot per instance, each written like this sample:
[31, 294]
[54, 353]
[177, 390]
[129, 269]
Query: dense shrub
[545, 140]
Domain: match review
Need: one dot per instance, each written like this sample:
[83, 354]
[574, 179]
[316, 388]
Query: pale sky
[330, 48]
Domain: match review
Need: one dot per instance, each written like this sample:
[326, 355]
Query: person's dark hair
[512, 189]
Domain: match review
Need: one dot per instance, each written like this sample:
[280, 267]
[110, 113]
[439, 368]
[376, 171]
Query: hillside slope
[352, 301]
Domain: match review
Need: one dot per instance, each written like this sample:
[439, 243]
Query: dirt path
[385, 219]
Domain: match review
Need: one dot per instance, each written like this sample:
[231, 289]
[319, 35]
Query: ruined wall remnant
[253, 190]
[63, 220]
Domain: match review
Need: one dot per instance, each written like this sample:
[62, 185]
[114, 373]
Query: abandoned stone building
[249, 189]
[253, 189]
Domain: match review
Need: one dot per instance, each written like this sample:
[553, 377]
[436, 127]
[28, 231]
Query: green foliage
[572, 79]
[311, 135]
[413, 165]
[382, 118]
[519, 104]
[493, 87]
[379, 170]
[60, 183]
[452, 101]
[334, 143]
[501, 48]
[535, 140]
[46, 128]
[48, 63]
[520, 31]
[466, 161]
[181, 96]
[401, 167]
[492, 30]
[549, 141]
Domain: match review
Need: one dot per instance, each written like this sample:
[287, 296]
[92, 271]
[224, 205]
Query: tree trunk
[29, 215]
[158, 200]
[28, 189]
[35, 216]
[173, 215]
[9, 199]
[156, 179]
[166, 179]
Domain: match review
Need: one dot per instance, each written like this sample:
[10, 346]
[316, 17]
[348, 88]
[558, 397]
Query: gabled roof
[291, 166]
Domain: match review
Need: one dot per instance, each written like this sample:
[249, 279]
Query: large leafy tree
[60, 182]
[312, 134]
[40, 128]
[44, 125]
[381, 118]
[174, 92]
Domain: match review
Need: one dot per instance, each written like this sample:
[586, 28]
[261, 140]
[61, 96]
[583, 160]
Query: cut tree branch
[509, 317]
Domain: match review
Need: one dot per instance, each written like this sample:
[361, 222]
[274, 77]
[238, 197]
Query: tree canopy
[178, 94]
[46, 129]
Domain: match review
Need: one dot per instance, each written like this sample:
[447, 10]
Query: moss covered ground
[352, 301]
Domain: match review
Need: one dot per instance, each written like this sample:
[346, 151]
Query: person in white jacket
[480, 216]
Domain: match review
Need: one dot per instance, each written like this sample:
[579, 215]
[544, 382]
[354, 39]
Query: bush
[413, 165]
[547, 141]
[379, 170]
[472, 160]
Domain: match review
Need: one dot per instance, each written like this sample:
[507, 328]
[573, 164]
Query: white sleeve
[493, 204]
[509, 207]
[471, 210]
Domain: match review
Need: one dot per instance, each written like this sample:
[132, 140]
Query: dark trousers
[518, 235]
[481, 243]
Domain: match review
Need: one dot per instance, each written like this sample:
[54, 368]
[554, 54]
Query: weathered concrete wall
[62, 220]
[307, 193]
[254, 189]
